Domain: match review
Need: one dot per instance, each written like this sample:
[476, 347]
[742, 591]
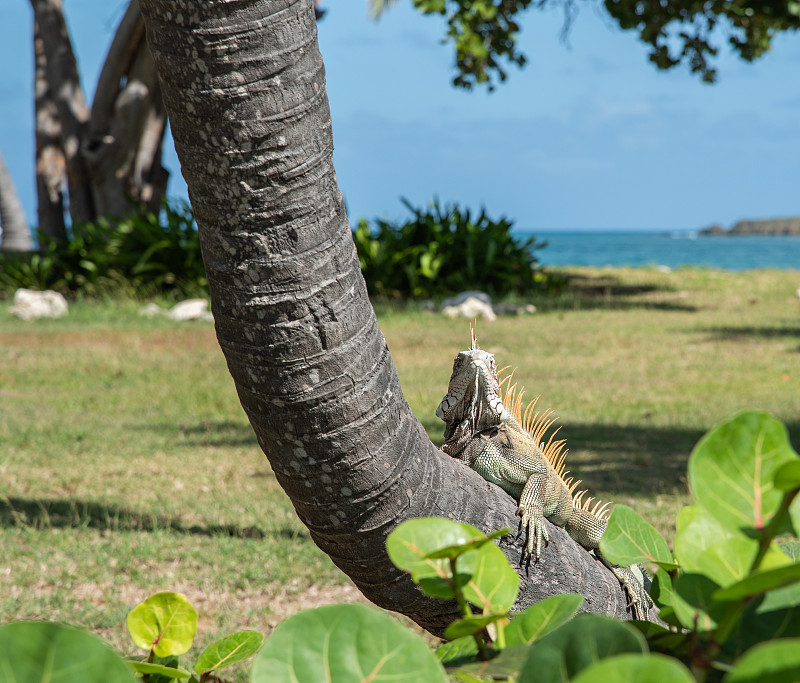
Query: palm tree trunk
[50, 163]
[244, 87]
[16, 233]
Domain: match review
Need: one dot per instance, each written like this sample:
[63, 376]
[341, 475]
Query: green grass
[127, 465]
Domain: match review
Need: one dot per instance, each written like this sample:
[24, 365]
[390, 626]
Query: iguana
[486, 428]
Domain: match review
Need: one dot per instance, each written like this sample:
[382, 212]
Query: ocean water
[673, 250]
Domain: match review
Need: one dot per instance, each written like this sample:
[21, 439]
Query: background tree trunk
[127, 126]
[16, 233]
[50, 162]
[244, 87]
[61, 71]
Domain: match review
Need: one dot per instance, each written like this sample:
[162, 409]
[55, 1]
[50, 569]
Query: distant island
[776, 226]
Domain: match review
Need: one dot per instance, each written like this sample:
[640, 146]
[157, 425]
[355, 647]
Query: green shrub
[443, 250]
[142, 254]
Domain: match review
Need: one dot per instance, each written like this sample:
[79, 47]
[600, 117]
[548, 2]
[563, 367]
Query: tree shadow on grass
[218, 434]
[609, 292]
[48, 514]
[734, 333]
[637, 460]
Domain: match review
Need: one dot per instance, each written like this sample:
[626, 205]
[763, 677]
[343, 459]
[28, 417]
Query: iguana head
[473, 392]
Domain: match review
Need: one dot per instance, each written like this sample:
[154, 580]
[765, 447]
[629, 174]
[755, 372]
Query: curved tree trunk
[16, 233]
[244, 87]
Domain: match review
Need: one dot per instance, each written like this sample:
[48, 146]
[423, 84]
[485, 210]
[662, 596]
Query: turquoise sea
[589, 248]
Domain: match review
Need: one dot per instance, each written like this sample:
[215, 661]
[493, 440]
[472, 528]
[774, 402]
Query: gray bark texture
[244, 87]
[16, 232]
[50, 163]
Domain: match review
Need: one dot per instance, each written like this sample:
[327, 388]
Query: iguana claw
[634, 585]
[532, 521]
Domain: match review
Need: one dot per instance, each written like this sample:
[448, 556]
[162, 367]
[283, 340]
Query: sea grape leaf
[471, 625]
[457, 650]
[588, 638]
[165, 622]
[631, 668]
[760, 582]
[787, 477]
[489, 581]
[344, 643]
[506, 664]
[628, 539]
[776, 661]
[696, 530]
[461, 548]
[661, 588]
[39, 652]
[694, 603]
[541, 618]
[229, 650]
[731, 469]
[154, 669]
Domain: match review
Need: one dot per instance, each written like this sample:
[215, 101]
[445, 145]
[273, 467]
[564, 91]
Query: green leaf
[628, 540]
[456, 650]
[40, 652]
[540, 619]
[787, 477]
[588, 638]
[229, 650]
[461, 548]
[490, 583]
[732, 468]
[661, 589]
[760, 582]
[159, 669]
[696, 530]
[344, 643]
[505, 664]
[636, 669]
[777, 661]
[694, 603]
[471, 625]
[165, 622]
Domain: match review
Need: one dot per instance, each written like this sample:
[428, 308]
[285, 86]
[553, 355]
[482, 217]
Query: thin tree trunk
[16, 232]
[244, 87]
[73, 114]
[50, 162]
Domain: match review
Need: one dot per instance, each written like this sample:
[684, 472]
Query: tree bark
[128, 122]
[244, 86]
[50, 162]
[61, 71]
[16, 233]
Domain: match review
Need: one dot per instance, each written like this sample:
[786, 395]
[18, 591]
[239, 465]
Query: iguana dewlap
[487, 430]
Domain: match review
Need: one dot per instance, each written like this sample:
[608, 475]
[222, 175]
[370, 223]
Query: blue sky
[588, 135]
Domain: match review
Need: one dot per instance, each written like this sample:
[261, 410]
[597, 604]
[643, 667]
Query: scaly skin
[506, 448]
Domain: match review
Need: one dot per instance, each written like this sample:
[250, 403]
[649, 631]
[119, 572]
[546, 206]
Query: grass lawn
[128, 467]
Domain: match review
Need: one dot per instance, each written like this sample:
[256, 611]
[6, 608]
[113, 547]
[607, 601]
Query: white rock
[151, 310]
[461, 297]
[470, 308]
[30, 304]
[191, 309]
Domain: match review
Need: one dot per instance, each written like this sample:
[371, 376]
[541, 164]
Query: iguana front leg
[531, 512]
[527, 480]
[632, 580]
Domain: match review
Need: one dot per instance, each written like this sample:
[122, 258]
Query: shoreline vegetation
[768, 227]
